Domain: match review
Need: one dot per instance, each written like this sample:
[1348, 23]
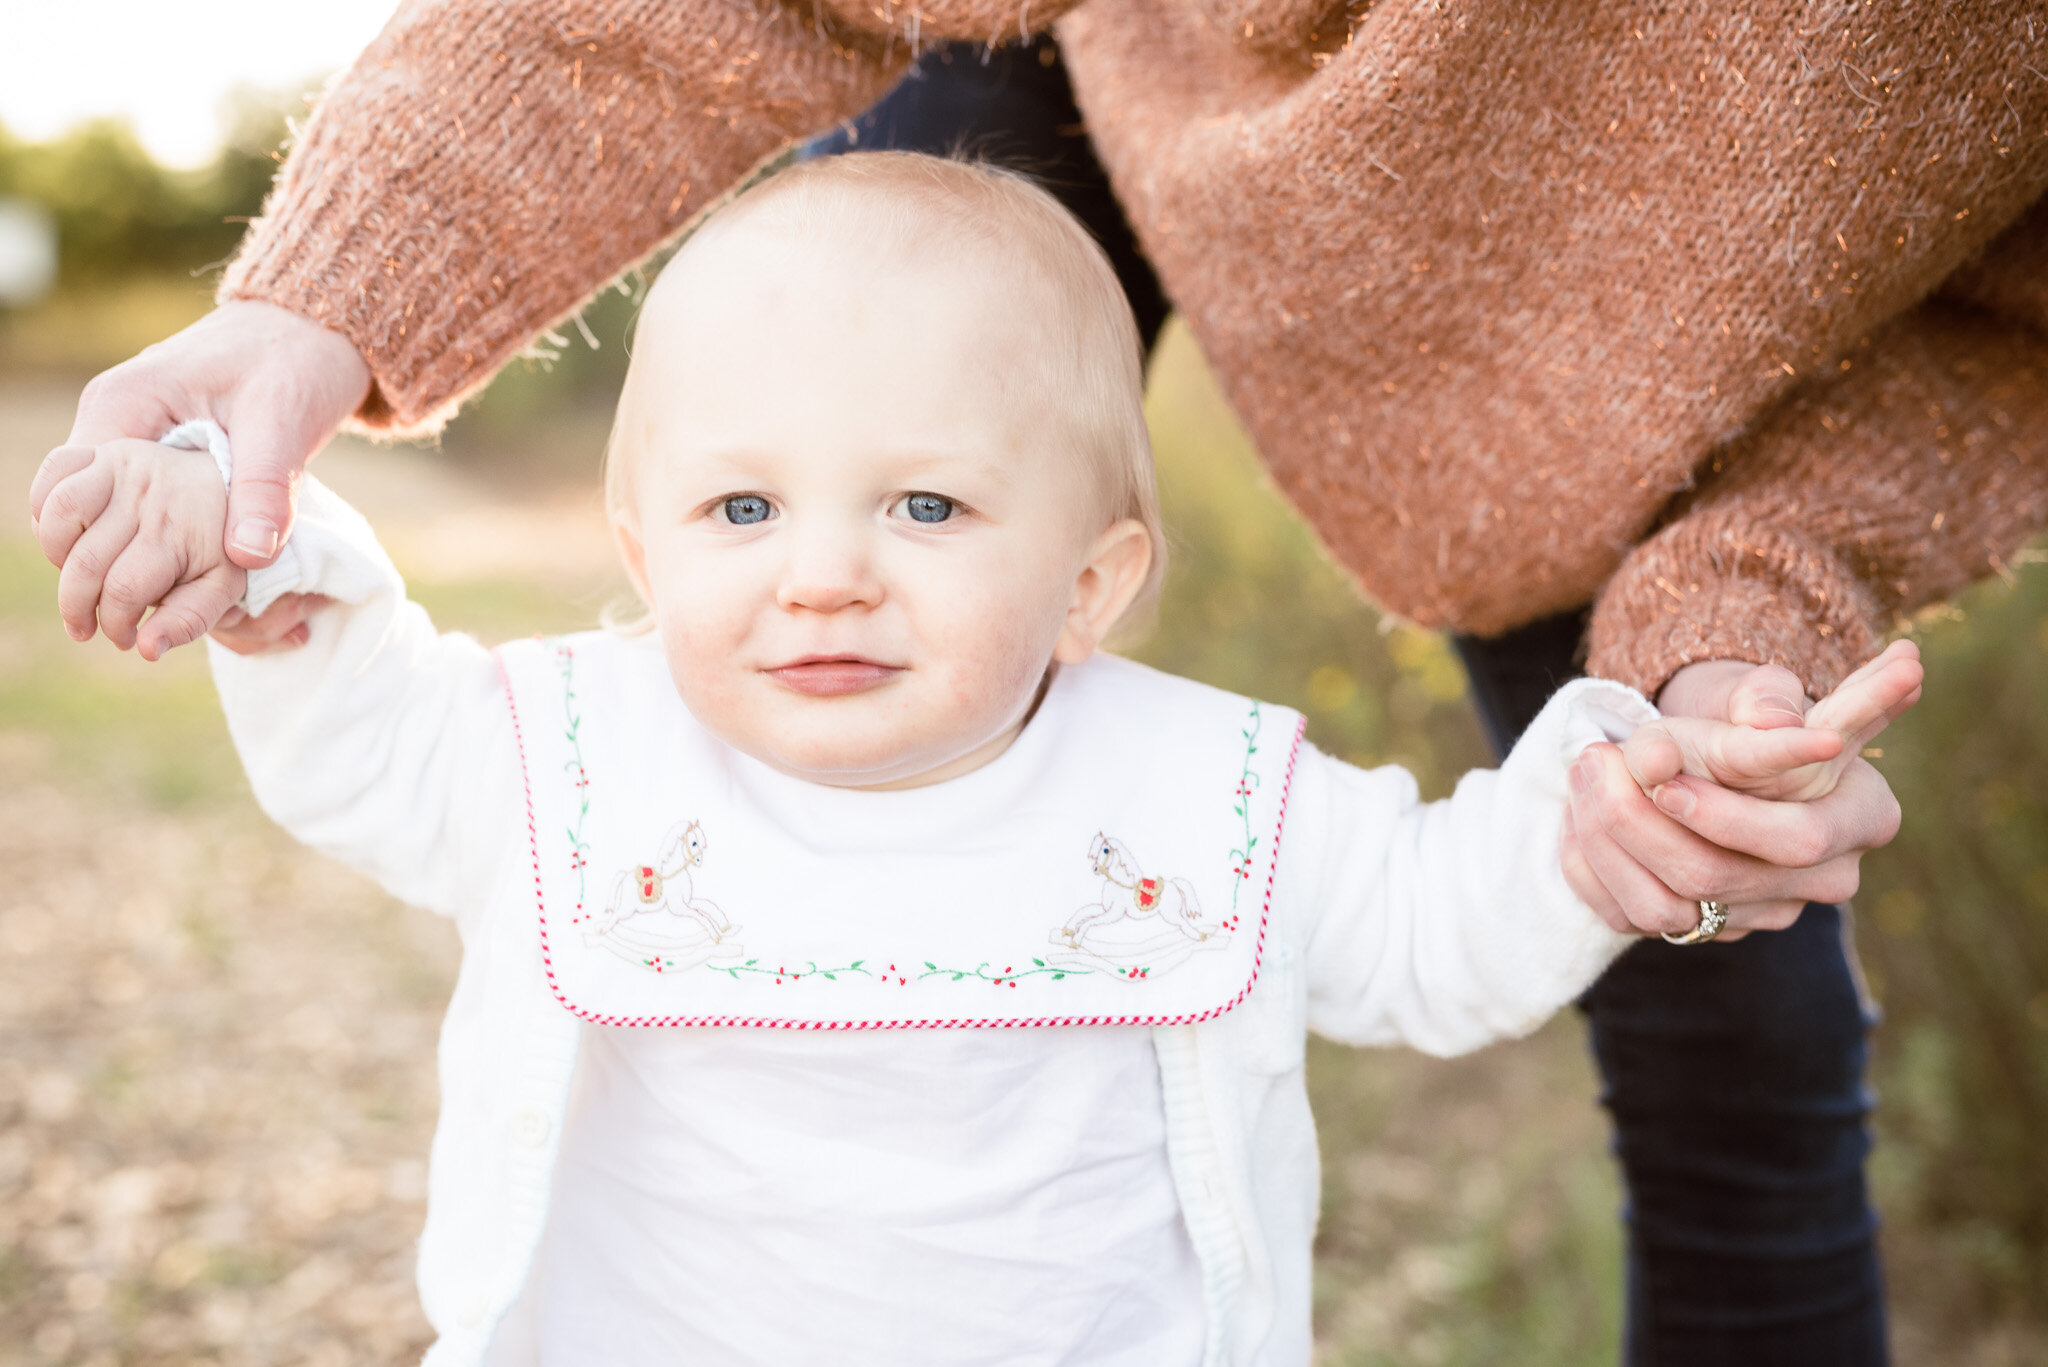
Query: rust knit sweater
[1733, 316]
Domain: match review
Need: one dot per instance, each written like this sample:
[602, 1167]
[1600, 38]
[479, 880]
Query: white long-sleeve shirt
[1440, 925]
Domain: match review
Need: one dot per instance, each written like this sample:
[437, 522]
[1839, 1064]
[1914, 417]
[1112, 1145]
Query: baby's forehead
[852, 264]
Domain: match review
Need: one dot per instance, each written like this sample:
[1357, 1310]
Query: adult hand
[1645, 865]
[277, 383]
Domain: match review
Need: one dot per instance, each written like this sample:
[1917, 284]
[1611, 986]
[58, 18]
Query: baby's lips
[832, 678]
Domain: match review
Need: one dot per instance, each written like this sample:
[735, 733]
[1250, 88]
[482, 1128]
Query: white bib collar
[1113, 866]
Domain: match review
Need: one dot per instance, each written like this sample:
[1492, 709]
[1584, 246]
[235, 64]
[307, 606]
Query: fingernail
[255, 536]
[1675, 799]
[1778, 702]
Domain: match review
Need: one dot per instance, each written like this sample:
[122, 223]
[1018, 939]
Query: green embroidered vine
[1009, 976]
[1241, 857]
[809, 970]
[579, 849]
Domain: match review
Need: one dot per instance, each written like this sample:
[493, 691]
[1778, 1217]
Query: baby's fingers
[190, 610]
[146, 572]
[86, 565]
[281, 627]
[60, 465]
[66, 509]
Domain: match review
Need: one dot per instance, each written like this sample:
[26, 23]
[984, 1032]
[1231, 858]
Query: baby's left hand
[1787, 763]
[92, 516]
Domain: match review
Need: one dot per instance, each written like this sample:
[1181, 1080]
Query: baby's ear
[634, 556]
[1108, 583]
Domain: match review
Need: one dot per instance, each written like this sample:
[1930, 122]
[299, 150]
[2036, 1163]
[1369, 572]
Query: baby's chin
[833, 747]
[869, 764]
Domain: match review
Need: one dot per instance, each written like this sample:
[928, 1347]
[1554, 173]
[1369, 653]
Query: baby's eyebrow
[997, 467]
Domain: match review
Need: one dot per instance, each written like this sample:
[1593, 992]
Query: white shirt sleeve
[1445, 925]
[379, 741]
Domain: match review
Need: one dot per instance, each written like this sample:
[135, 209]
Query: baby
[859, 966]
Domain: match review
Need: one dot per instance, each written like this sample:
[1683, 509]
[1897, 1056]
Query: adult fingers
[1653, 754]
[189, 610]
[71, 507]
[1860, 814]
[1691, 866]
[1766, 697]
[270, 454]
[62, 463]
[1645, 901]
[1648, 902]
[1583, 881]
[85, 569]
[1750, 916]
[133, 399]
[1739, 755]
[1873, 696]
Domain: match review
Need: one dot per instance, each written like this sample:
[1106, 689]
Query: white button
[479, 1306]
[530, 1128]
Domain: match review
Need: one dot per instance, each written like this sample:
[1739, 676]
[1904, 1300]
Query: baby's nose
[829, 570]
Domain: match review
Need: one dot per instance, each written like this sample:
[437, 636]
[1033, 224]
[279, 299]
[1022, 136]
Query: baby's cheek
[700, 660]
[1003, 653]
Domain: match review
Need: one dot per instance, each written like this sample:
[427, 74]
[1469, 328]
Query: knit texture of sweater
[1733, 317]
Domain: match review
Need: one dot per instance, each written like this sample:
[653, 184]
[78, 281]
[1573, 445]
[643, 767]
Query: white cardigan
[1441, 925]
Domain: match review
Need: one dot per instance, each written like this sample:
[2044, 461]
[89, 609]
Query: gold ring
[1713, 916]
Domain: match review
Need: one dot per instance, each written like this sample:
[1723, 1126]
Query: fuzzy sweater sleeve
[1920, 465]
[484, 167]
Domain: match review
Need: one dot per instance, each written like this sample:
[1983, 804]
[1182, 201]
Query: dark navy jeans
[1734, 1072]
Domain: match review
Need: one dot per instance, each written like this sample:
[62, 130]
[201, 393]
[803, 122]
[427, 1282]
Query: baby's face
[862, 546]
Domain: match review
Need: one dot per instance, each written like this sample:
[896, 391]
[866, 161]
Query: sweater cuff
[1722, 587]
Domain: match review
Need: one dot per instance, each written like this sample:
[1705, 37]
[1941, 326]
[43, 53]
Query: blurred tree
[120, 215]
[1957, 936]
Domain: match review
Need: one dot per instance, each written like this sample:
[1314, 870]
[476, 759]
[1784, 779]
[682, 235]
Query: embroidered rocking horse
[655, 919]
[1142, 926]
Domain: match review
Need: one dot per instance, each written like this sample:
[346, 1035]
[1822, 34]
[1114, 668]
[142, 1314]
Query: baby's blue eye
[928, 508]
[742, 509]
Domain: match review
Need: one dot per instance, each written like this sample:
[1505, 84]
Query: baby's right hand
[93, 515]
[1789, 763]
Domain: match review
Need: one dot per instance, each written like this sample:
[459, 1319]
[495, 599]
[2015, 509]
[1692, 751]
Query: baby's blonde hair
[920, 204]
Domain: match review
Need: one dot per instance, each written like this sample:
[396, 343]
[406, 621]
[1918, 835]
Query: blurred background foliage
[1953, 921]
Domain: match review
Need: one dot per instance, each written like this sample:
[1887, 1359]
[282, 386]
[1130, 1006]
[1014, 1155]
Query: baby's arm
[1444, 925]
[379, 740]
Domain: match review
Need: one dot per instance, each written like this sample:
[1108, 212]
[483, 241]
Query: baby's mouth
[821, 676]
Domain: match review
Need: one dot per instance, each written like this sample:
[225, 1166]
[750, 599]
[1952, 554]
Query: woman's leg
[1734, 1073]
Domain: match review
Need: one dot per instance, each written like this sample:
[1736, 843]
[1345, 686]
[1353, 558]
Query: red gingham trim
[953, 1023]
